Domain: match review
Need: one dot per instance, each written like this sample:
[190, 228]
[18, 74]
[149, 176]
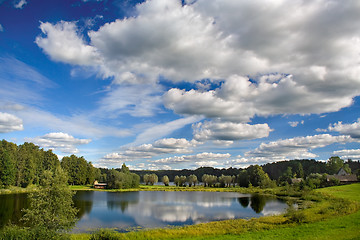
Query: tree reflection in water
[83, 200]
[117, 201]
[244, 201]
[10, 208]
[257, 203]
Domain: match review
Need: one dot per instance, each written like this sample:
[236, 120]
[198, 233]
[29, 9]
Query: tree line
[27, 164]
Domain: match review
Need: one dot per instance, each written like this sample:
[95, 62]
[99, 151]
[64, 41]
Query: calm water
[129, 210]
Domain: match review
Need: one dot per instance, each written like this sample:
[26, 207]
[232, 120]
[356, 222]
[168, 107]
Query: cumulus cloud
[59, 141]
[228, 131]
[294, 148]
[309, 47]
[1, 28]
[159, 147]
[20, 4]
[295, 123]
[10, 123]
[195, 159]
[64, 43]
[352, 129]
[239, 99]
[353, 154]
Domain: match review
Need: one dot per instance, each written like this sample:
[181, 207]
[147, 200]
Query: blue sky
[166, 84]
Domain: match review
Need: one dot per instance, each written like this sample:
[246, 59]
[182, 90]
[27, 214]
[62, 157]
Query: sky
[168, 84]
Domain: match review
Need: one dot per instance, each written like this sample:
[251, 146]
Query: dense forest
[299, 168]
[25, 164]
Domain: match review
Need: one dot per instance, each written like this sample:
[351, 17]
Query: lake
[152, 209]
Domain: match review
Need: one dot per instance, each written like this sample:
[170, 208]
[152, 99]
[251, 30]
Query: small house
[98, 185]
[343, 177]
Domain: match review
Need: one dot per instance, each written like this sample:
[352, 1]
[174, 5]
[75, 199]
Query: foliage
[51, 207]
[165, 180]
[192, 180]
[104, 234]
[20, 233]
[122, 179]
[225, 181]
[150, 179]
[24, 165]
[334, 164]
[316, 180]
[80, 171]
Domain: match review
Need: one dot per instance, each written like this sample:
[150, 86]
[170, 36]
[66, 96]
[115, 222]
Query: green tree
[153, 178]
[177, 180]
[51, 207]
[165, 180]
[334, 164]
[192, 180]
[257, 176]
[7, 169]
[347, 168]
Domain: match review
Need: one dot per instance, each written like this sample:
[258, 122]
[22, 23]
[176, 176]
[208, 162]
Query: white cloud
[353, 154]
[20, 4]
[295, 123]
[59, 141]
[21, 82]
[135, 101]
[63, 43]
[228, 131]
[294, 148]
[162, 146]
[1, 28]
[239, 99]
[144, 151]
[10, 123]
[352, 129]
[200, 157]
[161, 130]
[313, 47]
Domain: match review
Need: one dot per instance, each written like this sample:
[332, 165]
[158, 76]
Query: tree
[7, 169]
[51, 207]
[121, 180]
[243, 178]
[165, 180]
[347, 169]
[192, 180]
[334, 164]
[182, 181]
[153, 178]
[257, 176]
[177, 180]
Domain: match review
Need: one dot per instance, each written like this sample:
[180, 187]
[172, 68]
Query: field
[328, 213]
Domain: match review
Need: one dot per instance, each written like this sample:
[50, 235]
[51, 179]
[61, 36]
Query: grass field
[328, 213]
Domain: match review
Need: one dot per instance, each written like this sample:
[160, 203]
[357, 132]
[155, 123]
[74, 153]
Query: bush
[295, 216]
[19, 233]
[105, 235]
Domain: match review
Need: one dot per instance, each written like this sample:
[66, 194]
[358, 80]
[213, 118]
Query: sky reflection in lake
[160, 209]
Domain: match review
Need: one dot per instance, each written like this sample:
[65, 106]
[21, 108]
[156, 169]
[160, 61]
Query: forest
[25, 164]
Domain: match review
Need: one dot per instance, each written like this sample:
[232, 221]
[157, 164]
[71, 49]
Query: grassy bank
[324, 214]
[13, 189]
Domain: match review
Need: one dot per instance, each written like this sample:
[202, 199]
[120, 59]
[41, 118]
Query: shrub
[105, 235]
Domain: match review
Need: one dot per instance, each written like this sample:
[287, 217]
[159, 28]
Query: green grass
[13, 189]
[329, 213]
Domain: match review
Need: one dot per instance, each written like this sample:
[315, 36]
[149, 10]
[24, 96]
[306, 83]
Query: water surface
[128, 210]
